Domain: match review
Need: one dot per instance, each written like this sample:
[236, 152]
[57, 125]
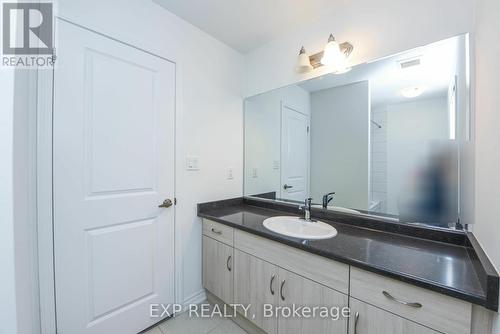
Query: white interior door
[294, 154]
[114, 111]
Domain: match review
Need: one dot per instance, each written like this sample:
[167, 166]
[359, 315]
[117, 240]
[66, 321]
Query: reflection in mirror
[382, 139]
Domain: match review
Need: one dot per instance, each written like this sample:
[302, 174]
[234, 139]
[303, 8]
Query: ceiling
[245, 25]
[387, 79]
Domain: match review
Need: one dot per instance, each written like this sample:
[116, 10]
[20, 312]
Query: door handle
[166, 204]
[228, 263]
[286, 186]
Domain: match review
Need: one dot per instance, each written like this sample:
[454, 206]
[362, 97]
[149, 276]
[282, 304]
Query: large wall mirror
[383, 139]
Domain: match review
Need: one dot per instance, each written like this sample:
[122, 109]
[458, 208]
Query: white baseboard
[196, 298]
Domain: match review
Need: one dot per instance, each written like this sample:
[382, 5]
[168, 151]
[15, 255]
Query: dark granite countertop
[443, 267]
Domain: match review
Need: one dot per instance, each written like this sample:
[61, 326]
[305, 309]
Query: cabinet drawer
[439, 312]
[367, 319]
[218, 231]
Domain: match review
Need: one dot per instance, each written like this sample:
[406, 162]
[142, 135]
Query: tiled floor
[183, 324]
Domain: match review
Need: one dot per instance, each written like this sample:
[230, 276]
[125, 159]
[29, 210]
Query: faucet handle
[306, 205]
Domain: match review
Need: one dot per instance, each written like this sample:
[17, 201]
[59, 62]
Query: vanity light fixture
[334, 56]
[412, 92]
[304, 64]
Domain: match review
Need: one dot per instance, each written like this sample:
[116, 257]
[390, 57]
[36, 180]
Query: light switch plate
[254, 173]
[230, 173]
[192, 163]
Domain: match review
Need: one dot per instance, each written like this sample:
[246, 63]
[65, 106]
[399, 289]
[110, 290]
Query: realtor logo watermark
[27, 34]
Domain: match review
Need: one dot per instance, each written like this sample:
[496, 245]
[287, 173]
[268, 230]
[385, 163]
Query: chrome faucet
[307, 209]
[327, 199]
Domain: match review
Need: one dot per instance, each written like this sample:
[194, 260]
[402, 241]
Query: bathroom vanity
[395, 279]
[380, 155]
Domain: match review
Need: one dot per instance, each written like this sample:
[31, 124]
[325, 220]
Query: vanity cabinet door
[299, 291]
[256, 284]
[367, 319]
[218, 262]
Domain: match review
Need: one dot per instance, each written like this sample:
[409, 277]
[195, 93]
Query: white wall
[18, 230]
[263, 136]
[487, 227]
[339, 137]
[8, 312]
[413, 130]
[25, 223]
[375, 28]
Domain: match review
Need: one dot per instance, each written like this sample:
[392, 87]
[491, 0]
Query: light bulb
[332, 55]
[304, 63]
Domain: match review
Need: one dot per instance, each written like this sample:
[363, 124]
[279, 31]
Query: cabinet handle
[356, 319]
[271, 284]
[390, 297]
[228, 262]
[216, 231]
[281, 290]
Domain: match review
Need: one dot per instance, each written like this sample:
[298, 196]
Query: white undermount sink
[299, 228]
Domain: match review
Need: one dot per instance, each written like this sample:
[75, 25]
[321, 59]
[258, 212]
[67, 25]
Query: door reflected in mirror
[383, 139]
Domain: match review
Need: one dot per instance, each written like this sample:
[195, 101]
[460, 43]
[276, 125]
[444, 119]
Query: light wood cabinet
[442, 313]
[256, 284]
[320, 269]
[300, 291]
[218, 269]
[367, 319]
[242, 268]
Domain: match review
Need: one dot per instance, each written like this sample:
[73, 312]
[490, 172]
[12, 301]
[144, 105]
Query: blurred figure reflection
[431, 194]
